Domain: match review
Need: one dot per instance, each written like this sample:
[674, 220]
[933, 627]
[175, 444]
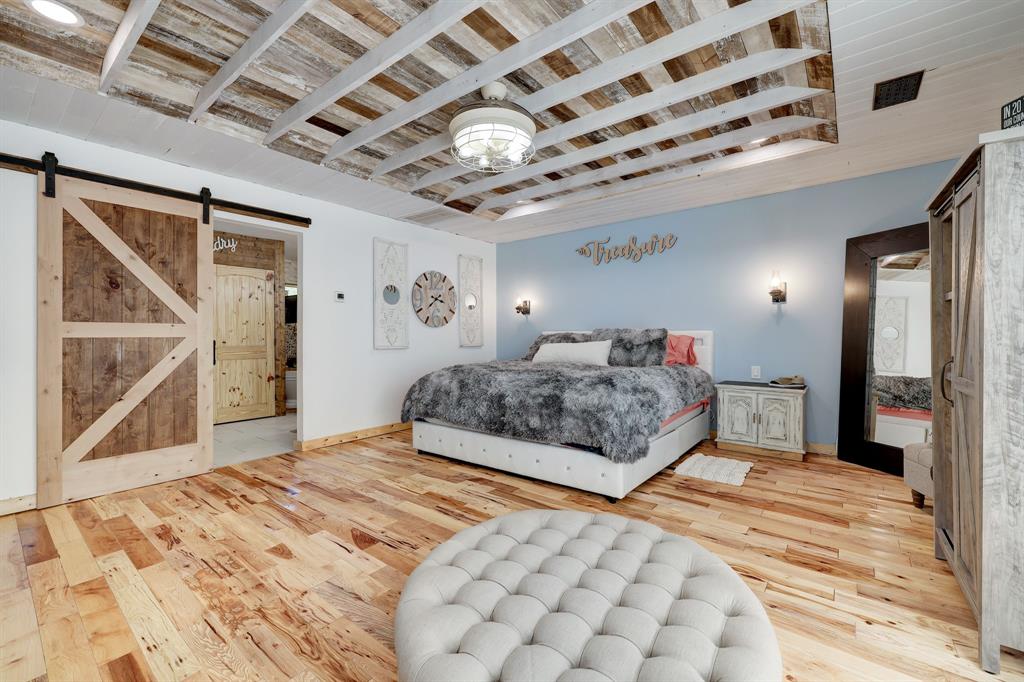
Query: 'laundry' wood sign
[632, 250]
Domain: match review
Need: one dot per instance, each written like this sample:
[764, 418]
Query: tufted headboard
[703, 344]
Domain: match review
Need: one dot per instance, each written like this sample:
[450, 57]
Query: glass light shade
[55, 11]
[492, 137]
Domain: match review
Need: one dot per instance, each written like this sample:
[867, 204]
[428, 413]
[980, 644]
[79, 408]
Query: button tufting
[561, 590]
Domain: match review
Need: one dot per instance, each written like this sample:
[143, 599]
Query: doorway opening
[255, 330]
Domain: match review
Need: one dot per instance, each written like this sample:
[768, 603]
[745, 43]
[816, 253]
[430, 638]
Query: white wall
[17, 334]
[918, 331]
[344, 384]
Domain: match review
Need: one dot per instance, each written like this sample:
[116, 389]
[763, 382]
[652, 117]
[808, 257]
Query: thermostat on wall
[339, 296]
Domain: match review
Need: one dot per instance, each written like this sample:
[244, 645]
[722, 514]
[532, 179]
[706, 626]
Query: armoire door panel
[125, 368]
[965, 379]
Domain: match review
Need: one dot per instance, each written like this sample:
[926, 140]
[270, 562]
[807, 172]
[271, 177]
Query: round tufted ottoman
[570, 596]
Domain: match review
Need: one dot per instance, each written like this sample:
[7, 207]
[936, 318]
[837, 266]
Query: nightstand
[759, 418]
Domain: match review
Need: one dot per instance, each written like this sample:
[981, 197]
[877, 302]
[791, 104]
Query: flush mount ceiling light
[492, 135]
[55, 11]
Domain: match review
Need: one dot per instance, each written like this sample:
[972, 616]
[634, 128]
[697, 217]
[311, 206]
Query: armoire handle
[942, 381]
[215, 351]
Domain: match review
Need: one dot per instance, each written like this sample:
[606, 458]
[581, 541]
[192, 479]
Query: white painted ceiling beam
[683, 125]
[726, 163]
[263, 37]
[127, 35]
[687, 39]
[733, 138]
[436, 19]
[585, 20]
[700, 84]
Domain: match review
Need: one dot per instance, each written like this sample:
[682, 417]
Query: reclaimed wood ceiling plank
[268, 32]
[579, 23]
[680, 126]
[375, 61]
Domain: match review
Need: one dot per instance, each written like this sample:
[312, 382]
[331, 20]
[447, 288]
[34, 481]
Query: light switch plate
[339, 296]
[755, 371]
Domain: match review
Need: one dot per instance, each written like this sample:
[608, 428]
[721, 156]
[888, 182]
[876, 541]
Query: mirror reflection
[899, 409]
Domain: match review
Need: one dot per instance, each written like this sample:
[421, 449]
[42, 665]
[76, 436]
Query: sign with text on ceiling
[599, 252]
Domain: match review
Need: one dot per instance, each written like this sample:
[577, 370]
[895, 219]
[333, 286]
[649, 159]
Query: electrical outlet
[755, 371]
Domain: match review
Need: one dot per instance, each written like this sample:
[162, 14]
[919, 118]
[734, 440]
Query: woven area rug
[718, 469]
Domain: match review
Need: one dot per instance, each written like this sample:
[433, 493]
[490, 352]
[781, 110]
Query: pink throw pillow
[679, 350]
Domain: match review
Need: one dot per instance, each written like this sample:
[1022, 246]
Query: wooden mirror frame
[853, 446]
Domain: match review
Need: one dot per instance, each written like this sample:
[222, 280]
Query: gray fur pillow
[557, 337]
[634, 347]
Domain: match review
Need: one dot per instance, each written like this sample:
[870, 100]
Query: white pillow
[587, 353]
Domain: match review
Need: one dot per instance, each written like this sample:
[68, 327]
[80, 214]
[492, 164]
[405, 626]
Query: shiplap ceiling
[642, 108]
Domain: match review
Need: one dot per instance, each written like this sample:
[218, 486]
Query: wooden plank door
[966, 380]
[125, 329]
[244, 346]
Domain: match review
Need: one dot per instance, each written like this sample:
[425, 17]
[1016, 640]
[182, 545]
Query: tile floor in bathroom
[242, 441]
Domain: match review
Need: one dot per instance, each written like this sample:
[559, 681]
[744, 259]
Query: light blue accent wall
[716, 277]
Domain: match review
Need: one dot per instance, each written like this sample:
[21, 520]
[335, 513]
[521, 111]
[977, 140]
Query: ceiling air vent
[898, 90]
[432, 216]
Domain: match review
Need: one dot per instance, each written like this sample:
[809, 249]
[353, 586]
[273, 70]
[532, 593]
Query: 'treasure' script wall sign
[599, 253]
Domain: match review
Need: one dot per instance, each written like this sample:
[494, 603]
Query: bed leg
[611, 499]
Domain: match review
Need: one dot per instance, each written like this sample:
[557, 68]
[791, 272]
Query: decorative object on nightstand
[760, 418]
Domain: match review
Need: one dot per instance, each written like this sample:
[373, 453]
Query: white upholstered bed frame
[568, 466]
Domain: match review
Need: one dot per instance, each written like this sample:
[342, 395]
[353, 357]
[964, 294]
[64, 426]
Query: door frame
[61, 474]
[270, 334]
[853, 445]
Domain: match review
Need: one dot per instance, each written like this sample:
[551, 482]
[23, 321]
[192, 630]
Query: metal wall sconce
[523, 307]
[778, 288]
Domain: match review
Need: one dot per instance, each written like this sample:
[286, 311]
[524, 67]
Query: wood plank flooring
[289, 568]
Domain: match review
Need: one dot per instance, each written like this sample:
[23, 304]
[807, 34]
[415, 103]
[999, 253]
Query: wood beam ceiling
[682, 153]
[687, 39]
[684, 125]
[680, 91]
[434, 20]
[578, 24]
[273, 28]
[133, 24]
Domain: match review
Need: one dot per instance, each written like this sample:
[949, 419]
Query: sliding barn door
[244, 346]
[125, 340]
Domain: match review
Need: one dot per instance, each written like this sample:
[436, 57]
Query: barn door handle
[942, 381]
[215, 351]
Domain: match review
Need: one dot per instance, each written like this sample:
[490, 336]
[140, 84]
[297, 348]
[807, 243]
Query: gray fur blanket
[903, 391]
[612, 409]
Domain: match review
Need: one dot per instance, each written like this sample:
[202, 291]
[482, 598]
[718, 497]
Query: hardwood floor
[289, 568]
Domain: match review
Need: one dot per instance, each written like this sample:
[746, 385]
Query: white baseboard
[17, 504]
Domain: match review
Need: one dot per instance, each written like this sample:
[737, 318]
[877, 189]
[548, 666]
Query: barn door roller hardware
[49, 166]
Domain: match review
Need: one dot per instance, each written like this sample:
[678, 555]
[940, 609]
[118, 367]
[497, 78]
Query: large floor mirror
[885, 384]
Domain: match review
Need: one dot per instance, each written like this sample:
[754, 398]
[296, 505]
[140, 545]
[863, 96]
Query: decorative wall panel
[471, 299]
[390, 295]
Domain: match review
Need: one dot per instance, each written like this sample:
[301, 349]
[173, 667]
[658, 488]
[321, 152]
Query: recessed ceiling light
[55, 11]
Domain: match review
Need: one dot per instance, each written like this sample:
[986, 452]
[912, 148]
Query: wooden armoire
[977, 254]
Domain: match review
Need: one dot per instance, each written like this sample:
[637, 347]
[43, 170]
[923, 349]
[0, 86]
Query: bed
[901, 410]
[613, 474]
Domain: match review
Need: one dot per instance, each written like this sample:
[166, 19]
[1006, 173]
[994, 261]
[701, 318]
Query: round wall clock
[433, 298]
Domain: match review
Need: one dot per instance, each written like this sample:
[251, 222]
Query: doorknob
[942, 381]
